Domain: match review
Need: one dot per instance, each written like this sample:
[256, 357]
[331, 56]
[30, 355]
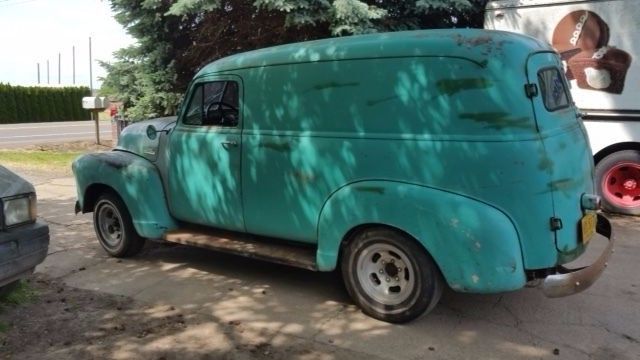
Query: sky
[34, 31]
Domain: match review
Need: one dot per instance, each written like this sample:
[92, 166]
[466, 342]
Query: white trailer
[599, 41]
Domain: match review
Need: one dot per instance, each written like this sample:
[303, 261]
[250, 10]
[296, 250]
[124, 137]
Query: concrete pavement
[285, 305]
[19, 135]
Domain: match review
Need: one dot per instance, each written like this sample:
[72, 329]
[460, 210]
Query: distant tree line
[177, 37]
[24, 104]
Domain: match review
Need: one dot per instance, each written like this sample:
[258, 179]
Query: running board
[246, 245]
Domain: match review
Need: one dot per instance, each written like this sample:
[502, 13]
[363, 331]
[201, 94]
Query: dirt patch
[72, 146]
[62, 322]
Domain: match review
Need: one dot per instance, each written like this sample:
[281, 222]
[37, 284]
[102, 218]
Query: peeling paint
[563, 184]
[372, 189]
[276, 146]
[334, 84]
[475, 278]
[454, 86]
[500, 120]
[304, 176]
[380, 101]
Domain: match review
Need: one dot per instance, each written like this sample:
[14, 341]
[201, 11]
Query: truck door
[204, 163]
[567, 159]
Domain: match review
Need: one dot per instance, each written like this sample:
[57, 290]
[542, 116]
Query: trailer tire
[618, 182]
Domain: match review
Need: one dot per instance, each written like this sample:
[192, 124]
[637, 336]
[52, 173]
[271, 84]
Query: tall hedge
[22, 104]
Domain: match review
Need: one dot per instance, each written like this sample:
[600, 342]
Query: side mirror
[152, 132]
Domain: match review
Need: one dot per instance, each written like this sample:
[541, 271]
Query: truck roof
[476, 45]
[507, 4]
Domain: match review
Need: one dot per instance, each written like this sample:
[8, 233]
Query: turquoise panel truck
[408, 161]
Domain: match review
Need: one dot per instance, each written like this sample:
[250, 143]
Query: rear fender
[135, 180]
[475, 245]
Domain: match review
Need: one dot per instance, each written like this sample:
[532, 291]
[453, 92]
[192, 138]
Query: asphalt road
[20, 135]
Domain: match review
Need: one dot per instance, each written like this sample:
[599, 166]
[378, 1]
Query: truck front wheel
[618, 181]
[114, 227]
[389, 276]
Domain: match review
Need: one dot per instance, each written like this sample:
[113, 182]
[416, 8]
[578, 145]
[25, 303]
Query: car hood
[12, 184]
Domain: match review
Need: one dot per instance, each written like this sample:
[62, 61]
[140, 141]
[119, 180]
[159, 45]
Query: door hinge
[555, 223]
[531, 90]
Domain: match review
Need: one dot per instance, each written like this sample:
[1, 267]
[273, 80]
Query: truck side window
[214, 104]
[193, 115]
[554, 91]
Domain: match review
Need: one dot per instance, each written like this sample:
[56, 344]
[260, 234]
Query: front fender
[137, 182]
[475, 245]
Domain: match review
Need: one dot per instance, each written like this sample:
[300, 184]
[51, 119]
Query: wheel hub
[620, 186]
[630, 184]
[385, 273]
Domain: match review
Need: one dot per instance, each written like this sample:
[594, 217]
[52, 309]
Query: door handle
[229, 143]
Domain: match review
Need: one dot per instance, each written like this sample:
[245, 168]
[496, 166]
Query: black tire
[366, 275]
[609, 198]
[116, 234]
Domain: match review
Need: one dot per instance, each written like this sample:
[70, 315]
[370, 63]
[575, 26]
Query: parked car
[407, 160]
[24, 241]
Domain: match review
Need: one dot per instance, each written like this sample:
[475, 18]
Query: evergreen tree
[177, 37]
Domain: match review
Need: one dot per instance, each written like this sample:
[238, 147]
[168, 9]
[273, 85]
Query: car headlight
[18, 210]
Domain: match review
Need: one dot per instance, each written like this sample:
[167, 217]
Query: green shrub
[21, 104]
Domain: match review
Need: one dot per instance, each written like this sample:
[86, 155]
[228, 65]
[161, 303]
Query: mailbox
[95, 102]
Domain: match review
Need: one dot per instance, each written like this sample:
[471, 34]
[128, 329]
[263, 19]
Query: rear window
[554, 91]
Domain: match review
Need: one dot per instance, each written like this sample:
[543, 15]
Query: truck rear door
[567, 158]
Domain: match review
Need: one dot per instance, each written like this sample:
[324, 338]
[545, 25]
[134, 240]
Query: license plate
[588, 226]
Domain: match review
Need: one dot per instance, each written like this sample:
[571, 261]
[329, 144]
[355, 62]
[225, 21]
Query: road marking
[45, 135]
[51, 126]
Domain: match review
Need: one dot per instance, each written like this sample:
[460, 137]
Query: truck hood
[12, 184]
[134, 137]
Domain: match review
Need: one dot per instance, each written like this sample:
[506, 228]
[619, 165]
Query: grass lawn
[38, 159]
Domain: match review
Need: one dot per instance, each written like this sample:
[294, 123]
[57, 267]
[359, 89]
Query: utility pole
[38, 73]
[93, 113]
[59, 66]
[47, 71]
[73, 54]
[90, 68]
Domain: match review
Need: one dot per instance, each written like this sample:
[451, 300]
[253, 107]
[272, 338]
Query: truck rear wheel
[389, 276]
[114, 228]
[618, 181]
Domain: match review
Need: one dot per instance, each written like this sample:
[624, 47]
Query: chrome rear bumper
[572, 281]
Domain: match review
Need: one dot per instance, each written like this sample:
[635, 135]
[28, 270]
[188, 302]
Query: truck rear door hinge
[531, 90]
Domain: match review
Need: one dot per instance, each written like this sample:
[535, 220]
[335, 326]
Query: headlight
[18, 210]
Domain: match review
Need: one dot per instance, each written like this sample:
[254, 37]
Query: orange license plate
[588, 226]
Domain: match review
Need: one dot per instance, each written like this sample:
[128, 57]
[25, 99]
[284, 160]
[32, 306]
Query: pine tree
[176, 37]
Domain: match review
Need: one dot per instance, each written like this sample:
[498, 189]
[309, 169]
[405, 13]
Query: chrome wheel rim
[110, 225]
[385, 274]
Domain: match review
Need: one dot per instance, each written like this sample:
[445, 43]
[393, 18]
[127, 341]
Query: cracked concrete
[277, 303]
